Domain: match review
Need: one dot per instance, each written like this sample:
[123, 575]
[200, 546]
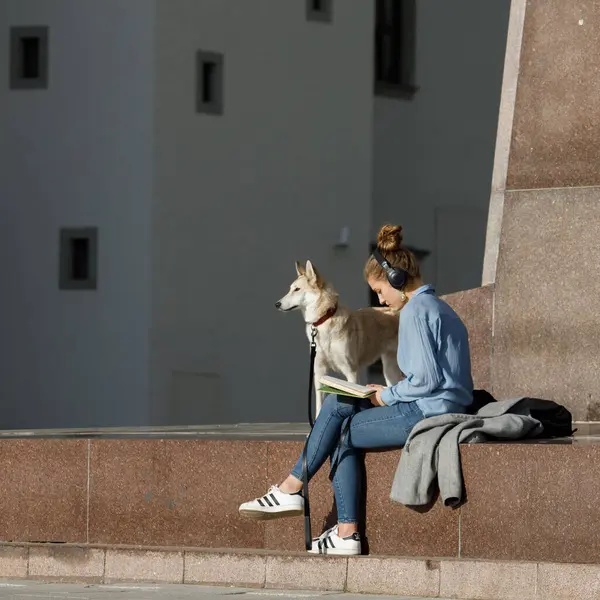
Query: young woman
[433, 353]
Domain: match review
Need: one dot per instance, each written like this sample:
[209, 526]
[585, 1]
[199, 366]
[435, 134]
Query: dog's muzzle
[278, 307]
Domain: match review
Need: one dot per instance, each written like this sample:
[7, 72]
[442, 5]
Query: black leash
[311, 422]
[311, 375]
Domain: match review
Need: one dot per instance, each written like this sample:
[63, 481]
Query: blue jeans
[371, 427]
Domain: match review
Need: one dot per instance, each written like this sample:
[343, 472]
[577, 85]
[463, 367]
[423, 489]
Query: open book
[333, 385]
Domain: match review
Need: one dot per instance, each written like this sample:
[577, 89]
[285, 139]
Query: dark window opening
[395, 30]
[209, 83]
[30, 57]
[80, 259]
[209, 70]
[319, 10]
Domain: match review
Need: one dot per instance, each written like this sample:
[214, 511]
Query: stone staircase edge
[426, 577]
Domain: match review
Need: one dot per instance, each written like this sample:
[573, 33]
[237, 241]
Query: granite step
[161, 491]
[404, 576]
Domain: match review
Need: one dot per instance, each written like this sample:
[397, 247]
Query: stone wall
[541, 252]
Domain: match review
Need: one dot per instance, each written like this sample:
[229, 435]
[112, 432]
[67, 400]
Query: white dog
[347, 340]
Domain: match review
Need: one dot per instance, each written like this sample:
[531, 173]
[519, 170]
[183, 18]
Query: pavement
[26, 590]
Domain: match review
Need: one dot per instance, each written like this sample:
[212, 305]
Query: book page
[342, 384]
[342, 393]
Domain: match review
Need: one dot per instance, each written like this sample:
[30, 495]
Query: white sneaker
[273, 505]
[330, 543]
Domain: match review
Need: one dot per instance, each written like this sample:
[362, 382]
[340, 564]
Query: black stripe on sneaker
[331, 542]
[260, 502]
[325, 543]
[274, 499]
[266, 499]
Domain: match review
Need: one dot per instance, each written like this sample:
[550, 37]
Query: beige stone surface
[68, 563]
[568, 582]
[396, 576]
[246, 570]
[13, 561]
[466, 579]
[510, 78]
[503, 138]
[143, 565]
[306, 573]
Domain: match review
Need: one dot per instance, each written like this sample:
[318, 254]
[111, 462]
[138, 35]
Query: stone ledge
[416, 577]
[163, 495]
[475, 308]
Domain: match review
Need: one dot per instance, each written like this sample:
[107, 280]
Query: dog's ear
[300, 269]
[313, 275]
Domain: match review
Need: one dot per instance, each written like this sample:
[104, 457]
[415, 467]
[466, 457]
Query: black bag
[555, 418]
[480, 399]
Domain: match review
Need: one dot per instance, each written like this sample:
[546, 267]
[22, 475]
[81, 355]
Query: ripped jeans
[371, 427]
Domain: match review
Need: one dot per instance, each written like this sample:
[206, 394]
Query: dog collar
[326, 316]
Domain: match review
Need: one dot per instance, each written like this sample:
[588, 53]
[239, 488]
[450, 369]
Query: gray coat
[432, 449]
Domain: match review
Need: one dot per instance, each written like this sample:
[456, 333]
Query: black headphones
[396, 276]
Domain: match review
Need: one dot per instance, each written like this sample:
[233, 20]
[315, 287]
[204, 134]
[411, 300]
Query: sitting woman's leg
[381, 427]
[324, 438]
[285, 500]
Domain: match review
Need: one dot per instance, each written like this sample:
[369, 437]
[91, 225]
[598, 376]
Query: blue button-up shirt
[433, 353]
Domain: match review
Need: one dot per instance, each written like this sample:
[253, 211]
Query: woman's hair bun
[389, 238]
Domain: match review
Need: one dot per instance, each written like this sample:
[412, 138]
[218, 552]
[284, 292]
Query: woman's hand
[376, 397]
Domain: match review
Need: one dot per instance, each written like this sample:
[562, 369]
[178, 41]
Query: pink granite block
[288, 534]
[535, 502]
[169, 492]
[44, 487]
[393, 528]
[555, 135]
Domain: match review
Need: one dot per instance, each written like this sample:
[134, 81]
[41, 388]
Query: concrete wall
[433, 155]
[243, 195]
[200, 217]
[77, 154]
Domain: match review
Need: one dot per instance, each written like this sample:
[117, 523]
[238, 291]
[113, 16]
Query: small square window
[78, 259]
[209, 83]
[319, 10]
[28, 58]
